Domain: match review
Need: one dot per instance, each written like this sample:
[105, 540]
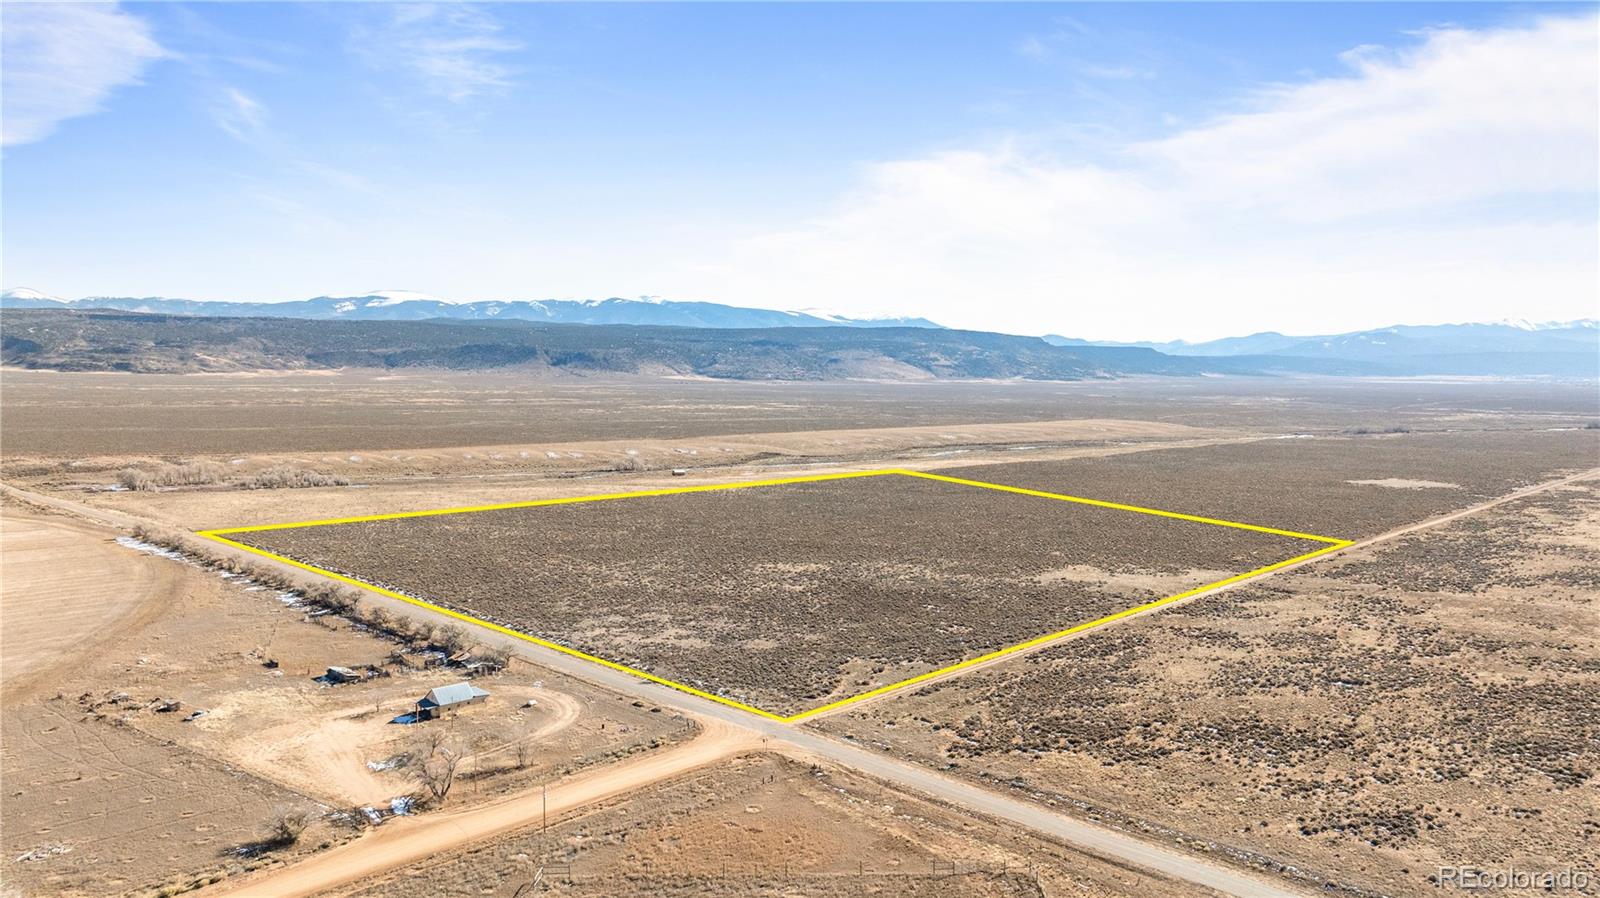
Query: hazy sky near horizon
[1138, 171]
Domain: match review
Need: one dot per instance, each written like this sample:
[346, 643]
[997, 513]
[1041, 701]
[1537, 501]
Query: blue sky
[1112, 171]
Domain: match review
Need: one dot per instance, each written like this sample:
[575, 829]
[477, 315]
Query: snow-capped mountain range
[1506, 347]
[407, 305]
[1401, 341]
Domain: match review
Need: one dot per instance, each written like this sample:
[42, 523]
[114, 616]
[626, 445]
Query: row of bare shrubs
[340, 600]
[193, 473]
[202, 473]
[289, 477]
[439, 758]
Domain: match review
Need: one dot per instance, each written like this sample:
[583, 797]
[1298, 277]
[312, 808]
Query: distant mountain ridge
[1498, 349]
[1498, 336]
[138, 342]
[406, 305]
[1563, 348]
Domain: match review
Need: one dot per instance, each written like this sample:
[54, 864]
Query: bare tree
[344, 600]
[450, 637]
[380, 619]
[431, 742]
[495, 656]
[525, 752]
[439, 771]
[287, 827]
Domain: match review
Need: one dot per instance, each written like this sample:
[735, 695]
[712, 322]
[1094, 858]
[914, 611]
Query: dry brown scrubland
[1314, 704]
[762, 825]
[1430, 702]
[723, 590]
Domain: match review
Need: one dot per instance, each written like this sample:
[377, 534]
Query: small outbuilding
[341, 675]
[448, 698]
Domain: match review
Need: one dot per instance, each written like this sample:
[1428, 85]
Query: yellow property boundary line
[1333, 545]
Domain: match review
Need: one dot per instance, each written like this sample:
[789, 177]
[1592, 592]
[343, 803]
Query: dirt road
[741, 731]
[404, 841]
[1361, 544]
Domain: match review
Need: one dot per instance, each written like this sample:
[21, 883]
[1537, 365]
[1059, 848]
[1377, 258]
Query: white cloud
[1467, 115]
[451, 49]
[239, 114]
[1456, 180]
[62, 60]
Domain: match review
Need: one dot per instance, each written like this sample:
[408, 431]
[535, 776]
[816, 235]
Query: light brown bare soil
[417, 840]
[1370, 718]
[67, 587]
[93, 808]
[74, 415]
[1425, 703]
[1401, 483]
[107, 795]
[761, 826]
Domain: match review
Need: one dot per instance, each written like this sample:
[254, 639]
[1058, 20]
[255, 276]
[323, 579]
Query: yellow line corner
[1334, 545]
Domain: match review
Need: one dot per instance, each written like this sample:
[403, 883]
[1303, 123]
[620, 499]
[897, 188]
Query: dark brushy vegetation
[789, 595]
[126, 341]
[1370, 717]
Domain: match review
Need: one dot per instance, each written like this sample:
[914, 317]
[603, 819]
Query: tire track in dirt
[404, 841]
[68, 592]
[728, 733]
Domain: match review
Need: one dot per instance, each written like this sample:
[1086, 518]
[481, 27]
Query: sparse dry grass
[1428, 702]
[785, 596]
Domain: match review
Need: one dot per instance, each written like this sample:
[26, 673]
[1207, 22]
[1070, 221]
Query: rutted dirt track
[415, 839]
[728, 732]
[405, 841]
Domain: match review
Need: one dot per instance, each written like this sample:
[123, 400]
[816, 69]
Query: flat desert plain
[1419, 699]
[724, 589]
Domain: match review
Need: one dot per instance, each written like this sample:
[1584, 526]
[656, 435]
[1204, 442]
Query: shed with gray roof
[448, 698]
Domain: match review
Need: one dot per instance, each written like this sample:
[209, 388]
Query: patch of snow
[1526, 325]
[827, 314]
[30, 293]
[395, 297]
[140, 545]
[44, 851]
[346, 306]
